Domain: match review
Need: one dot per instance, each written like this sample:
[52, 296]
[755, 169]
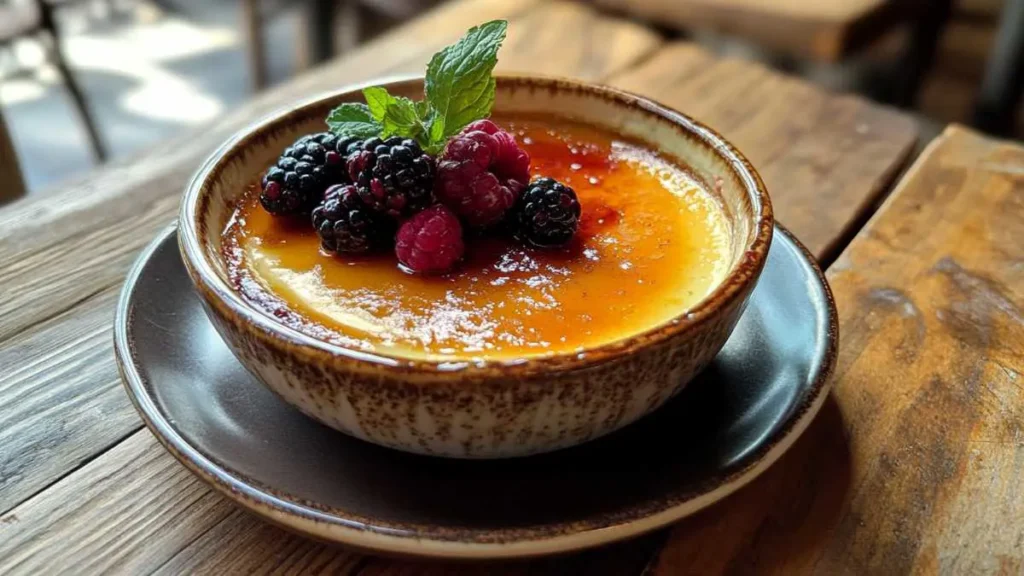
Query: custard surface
[652, 243]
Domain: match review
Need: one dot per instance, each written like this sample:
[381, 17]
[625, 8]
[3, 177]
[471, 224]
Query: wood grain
[805, 28]
[825, 158]
[914, 466]
[62, 398]
[62, 257]
[242, 544]
[127, 512]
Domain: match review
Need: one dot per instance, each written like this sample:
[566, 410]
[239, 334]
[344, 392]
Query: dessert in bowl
[511, 266]
[517, 350]
[651, 243]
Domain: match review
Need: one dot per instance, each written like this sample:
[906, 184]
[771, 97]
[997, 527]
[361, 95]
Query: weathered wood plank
[242, 544]
[62, 400]
[126, 515]
[915, 465]
[238, 545]
[809, 29]
[825, 158]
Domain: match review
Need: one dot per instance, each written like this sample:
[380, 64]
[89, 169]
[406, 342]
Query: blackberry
[296, 182]
[345, 225]
[547, 214]
[393, 176]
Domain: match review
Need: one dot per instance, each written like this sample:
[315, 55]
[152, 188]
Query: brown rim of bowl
[744, 271]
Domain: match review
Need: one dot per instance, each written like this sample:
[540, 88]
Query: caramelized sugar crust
[652, 243]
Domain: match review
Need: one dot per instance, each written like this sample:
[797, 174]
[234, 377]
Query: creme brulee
[652, 243]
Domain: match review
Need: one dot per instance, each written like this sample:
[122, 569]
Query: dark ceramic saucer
[726, 427]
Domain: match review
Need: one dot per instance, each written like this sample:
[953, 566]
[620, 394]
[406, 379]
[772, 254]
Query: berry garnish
[430, 242]
[296, 182]
[377, 165]
[394, 176]
[346, 225]
[547, 214]
[481, 173]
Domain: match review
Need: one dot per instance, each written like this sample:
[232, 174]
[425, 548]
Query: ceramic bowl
[481, 409]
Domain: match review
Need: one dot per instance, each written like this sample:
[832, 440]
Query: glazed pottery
[736, 418]
[481, 409]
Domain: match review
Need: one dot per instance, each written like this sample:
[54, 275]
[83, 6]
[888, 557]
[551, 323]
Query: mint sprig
[352, 119]
[459, 89]
[459, 85]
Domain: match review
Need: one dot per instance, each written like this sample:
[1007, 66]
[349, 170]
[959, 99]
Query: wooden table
[912, 465]
[813, 29]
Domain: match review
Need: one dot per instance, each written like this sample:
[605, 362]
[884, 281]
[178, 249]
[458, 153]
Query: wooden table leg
[12, 185]
[350, 25]
[49, 26]
[252, 25]
[1001, 88]
[320, 30]
[917, 60]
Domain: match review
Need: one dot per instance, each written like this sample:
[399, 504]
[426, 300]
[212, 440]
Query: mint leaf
[353, 119]
[422, 109]
[402, 119]
[397, 115]
[433, 137]
[377, 100]
[435, 134]
[459, 85]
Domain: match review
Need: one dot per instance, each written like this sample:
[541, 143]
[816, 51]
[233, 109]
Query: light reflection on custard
[652, 243]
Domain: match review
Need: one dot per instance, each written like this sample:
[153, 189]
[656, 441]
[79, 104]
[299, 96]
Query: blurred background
[85, 81]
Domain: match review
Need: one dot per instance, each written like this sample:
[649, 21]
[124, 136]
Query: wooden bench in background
[811, 29]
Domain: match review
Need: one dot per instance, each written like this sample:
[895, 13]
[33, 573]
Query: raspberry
[547, 214]
[431, 241]
[296, 182]
[393, 176]
[481, 173]
[345, 225]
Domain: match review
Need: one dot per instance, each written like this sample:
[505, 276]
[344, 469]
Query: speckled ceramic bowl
[481, 409]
